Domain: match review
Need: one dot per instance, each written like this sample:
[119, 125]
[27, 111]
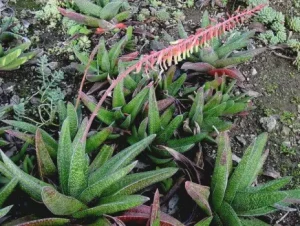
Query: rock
[298, 108]
[252, 93]
[285, 131]
[268, 123]
[253, 71]
[241, 140]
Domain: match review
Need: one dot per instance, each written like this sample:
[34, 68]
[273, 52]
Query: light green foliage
[295, 45]
[294, 24]
[155, 3]
[232, 196]
[256, 2]
[49, 90]
[178, 15]
[49, 13]
[276, 21]
[190, 3]
[162, 15]
[15, 25]
[13, 58]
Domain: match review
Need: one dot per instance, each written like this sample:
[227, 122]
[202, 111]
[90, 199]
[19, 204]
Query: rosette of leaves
[160, 120]
[107, 63]
[219, 57]
[100, 13]
[128, 99]
[212, 102]
[13, 58]
[85, 190]
[231, 199]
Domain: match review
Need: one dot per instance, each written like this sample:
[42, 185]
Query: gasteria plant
[214, 100]
[107, 63]
[13, 58]
[219, 57]
[231, 199]
[180, 50]
[85, 190]
[102, 14]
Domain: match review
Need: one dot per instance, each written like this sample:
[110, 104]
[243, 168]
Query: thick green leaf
[228, 215]
[64, 154]
[196, 112]
[28, 183]
[136, 104]
[244, 201]
[80, 132]
[105, 64]
[273, 185]
[153, 113]
[32, 129]
[253, 222]
[118, 95]
[5, 211]
[205, 22]
[95, 190]
[167, 116]
[113, 204]
[102, 157]
[177, 85]
[47, 222]
[221, 171]
[88, 8]
[110, 10]
[204, 222]
[7, 190]
[60, 204]
[136, 182]
[78, 174]
[168, 132]
[236, 108]
[10, 57]
[258, 212]
[115, 52]
[121, 159]
[183, 142]
[73, 119]
[215, 123]
[142, 132]
[94, 141]
[251, 169]
[62, 111]
[45, 164]
[215, 111]
[103, 115]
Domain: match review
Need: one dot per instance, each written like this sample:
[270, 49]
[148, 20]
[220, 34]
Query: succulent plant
[107, 63]
[105, 15]
[231, 200]
[13, 58]
[294, 24]
[84, 190]
[218, 58]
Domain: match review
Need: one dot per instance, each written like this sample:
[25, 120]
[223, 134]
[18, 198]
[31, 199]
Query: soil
[275, 81]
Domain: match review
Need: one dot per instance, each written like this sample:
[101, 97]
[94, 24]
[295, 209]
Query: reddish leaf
[129, 57]
[201, 67]
[232, 73]
[155, 207]
[140, 215]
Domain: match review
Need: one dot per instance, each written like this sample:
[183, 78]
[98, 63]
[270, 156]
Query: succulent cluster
[276, 21]
[220, 57]
[295, 45]
[294, 24]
